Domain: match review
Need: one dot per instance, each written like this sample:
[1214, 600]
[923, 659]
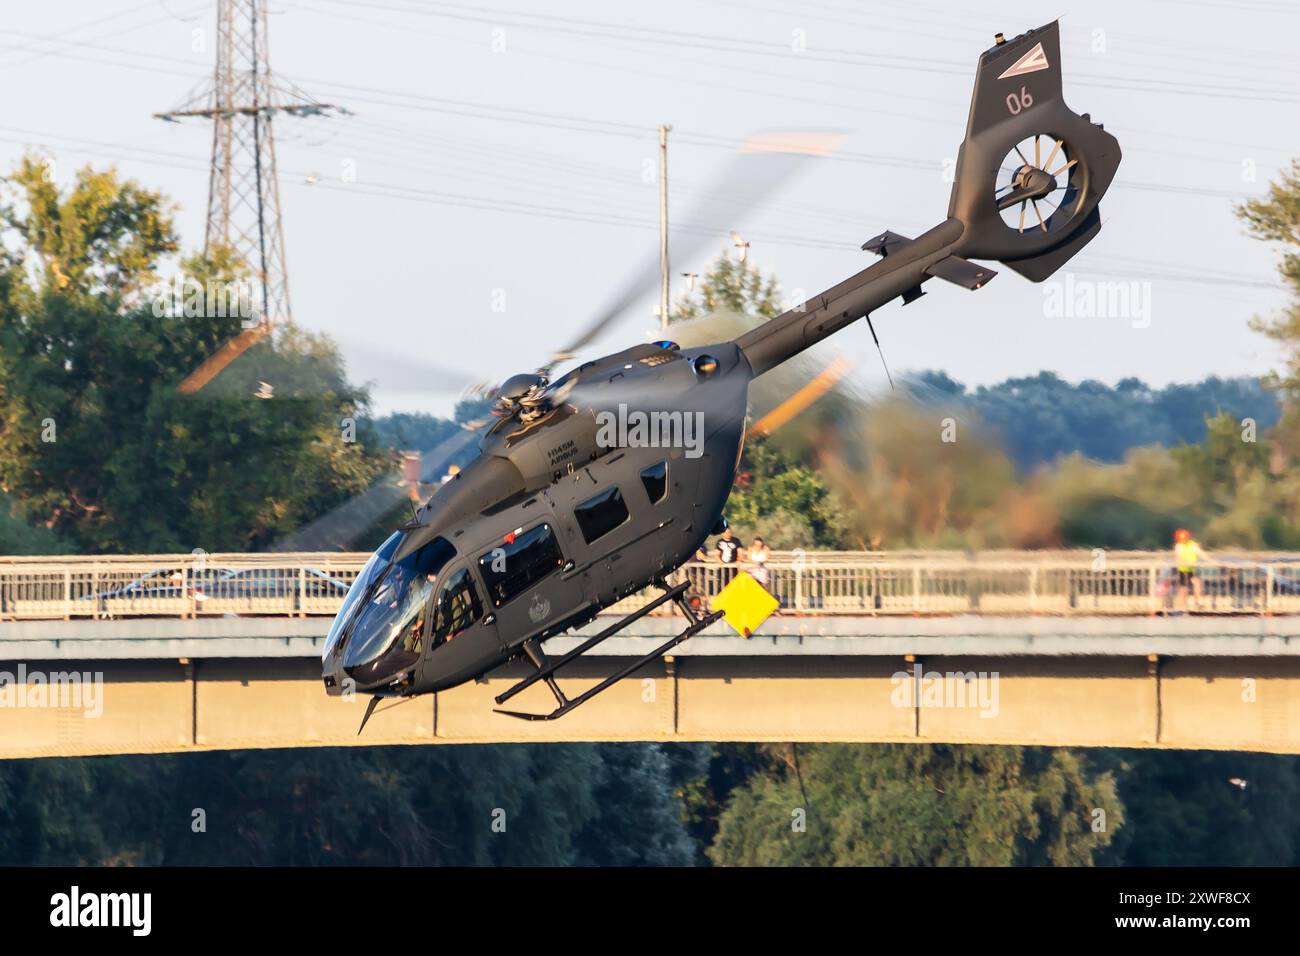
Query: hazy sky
[501, 146]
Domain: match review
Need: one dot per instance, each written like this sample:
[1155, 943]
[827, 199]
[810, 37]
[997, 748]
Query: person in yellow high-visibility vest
[1187, 554]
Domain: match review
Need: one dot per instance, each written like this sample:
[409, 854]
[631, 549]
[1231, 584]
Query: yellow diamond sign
[745, 603]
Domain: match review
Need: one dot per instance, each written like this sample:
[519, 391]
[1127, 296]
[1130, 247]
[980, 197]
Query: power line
[600, 217]
[476, 110]
[61, 37]
[605, 30]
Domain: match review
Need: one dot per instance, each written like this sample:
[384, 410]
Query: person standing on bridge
[1187, 554]
[730, 551]
[758, 558]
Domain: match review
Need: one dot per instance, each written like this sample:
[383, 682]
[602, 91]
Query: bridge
[175, 653]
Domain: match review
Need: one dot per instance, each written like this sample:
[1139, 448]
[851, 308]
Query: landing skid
[546, 668]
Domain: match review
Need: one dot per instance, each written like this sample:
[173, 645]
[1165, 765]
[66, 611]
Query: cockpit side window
[519, 561]
[601, 514]
[457, 607]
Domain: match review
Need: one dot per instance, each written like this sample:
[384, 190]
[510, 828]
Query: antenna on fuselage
[881, 351]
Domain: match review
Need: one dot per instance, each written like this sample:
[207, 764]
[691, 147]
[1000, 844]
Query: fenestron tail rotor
[1037, 185]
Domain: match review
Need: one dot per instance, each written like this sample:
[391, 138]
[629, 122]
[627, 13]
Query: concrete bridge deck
[780, 636]
[176, 685]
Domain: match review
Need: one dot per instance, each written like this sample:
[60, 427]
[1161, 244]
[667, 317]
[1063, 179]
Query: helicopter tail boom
[1028, 181]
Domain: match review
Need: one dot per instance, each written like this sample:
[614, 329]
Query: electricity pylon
[243, 188]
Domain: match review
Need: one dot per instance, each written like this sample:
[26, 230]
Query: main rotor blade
[342, 528]
[802, 399]
[751, 176]
[214, 364]
[402, 373]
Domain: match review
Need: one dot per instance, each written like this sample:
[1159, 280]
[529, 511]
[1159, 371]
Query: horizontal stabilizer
[885, 243]
[961, 272]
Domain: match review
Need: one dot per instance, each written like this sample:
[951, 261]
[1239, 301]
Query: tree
[1276, 218]
[639, 820]
[1041, 418]
[95, 442]
[472, 805]
[1189, 808]
[913, 477]
[17, 537]
[920, 805]
[731, 286]
[786, 503]
[413, 431]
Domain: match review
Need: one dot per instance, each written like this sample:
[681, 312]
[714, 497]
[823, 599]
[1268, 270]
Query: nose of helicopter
[383, 628]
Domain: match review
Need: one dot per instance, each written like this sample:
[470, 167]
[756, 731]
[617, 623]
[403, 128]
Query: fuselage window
[517, 563]
[457, 607]
[600, 515]
[655, 479]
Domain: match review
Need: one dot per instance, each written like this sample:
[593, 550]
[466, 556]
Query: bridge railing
[176, 586]
[929, 586]
[817, 583]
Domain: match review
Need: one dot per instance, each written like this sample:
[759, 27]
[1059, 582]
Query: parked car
[219, 590]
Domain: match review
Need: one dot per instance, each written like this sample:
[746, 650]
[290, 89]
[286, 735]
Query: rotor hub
[1033, 182]
[1039, 185]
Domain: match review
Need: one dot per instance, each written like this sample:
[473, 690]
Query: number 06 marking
[1019, 101]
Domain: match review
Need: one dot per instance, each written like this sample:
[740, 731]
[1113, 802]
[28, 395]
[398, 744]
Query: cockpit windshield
[395, 607]
[366, 577]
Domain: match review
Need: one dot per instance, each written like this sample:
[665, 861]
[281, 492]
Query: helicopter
[589, 488]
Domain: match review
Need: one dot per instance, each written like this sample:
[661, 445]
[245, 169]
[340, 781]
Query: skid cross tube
[618, 675]
[674, 594]
[550, 668]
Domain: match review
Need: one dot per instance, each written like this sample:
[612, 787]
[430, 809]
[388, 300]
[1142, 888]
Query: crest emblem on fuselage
[540, 608]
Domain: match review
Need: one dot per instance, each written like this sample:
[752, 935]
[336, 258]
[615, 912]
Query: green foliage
[1108, 521]
[1222, 462]
[788, 505]
[639, 818]
[413, 431]
[95, 442]
[919, 805]
[1225, 487]
[1039, 419]
[17, 537]
[635, 804]
[885, 477]
[1184, 809]
[913, 479]
[706, 790]
[731, 286]
[561, 804]
[1276, 218]
[102, 240]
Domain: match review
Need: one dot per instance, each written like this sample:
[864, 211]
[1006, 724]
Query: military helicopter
[576, 498]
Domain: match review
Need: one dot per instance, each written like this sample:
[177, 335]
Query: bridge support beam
[1222, 703]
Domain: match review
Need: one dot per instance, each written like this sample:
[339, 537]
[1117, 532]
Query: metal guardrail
[182, 586]
[955, 585]
[815, 583]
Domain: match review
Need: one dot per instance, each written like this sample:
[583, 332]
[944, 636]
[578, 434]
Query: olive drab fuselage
[637, 411]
